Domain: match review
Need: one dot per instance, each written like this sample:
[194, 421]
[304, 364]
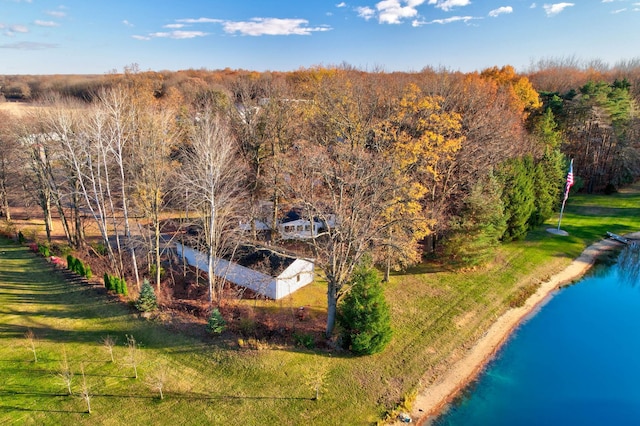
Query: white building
[297, 275]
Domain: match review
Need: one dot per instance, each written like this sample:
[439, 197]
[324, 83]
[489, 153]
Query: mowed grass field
[437, 315]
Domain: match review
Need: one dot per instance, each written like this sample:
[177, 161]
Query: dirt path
[433, 398]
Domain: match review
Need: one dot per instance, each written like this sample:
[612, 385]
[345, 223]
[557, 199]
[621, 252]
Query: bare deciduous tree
[157, 380]
[212, 172]
[65, 374]
[31, 342]
[109, 343]
[85, 393]
[132, 354]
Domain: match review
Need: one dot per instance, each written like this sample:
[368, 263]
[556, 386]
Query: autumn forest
[396, 166]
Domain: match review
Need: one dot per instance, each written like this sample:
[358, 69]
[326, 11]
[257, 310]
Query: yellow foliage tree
[422, 140]
[525, 96]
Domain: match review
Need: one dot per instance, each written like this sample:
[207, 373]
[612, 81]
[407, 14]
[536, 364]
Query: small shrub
[152, 270]
[43, 249]
[101, 249]
[70, 262]
[87, 272]
[304, 340]
[79, 267]
[147, 301]
[217, 323]
[21, 238]
[107, 282]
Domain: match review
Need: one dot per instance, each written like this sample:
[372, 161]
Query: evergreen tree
[518, 196]
[147, 301]
[364, 315]
[217, 323]
[482, 223]
[548, 178]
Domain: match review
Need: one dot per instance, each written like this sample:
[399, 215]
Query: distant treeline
[405, 162]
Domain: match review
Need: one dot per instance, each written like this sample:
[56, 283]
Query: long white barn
[295, 276]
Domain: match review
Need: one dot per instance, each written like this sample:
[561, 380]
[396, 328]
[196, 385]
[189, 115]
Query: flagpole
[566, 192]
[561, 211]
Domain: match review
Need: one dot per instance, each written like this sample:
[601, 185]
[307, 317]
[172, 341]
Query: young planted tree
[85, 393]
[109, 342]
[147, 301]
[157, 380]
[31, 342]
[65, 374]
[132, 354]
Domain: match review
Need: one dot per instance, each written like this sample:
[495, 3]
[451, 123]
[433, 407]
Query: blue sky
[95, 36]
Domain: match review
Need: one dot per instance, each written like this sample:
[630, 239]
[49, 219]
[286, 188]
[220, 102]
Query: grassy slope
[437, 314]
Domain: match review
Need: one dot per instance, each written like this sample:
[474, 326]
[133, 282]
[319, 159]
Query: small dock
[618, 238]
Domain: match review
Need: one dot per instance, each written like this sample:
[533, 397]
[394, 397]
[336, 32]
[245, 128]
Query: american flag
[569, 180]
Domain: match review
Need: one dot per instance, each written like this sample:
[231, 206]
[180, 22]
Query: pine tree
[482, 223]
[364, 315]
[147, 301]
[518, 196]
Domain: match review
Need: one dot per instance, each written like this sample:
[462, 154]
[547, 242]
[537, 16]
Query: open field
[438, 315]
[18, 109]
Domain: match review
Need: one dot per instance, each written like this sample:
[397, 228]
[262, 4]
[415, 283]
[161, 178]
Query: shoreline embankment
[431, 400]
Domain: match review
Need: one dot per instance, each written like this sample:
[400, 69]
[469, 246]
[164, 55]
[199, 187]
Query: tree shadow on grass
[10, 408]
[167, 395]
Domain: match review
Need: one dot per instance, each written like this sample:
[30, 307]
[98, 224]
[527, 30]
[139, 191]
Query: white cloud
[395, 11]
[391, 11]
[533, 6]
[11, 30]
[140, 37]
[619, 11]
[200, 21]
[500, 11]
[178, 35]
[451, 20]
[271, 26]
[174, 26]
[56, 13]
[127, 23]
[554, 9]
[45, 23]
[365, 12]
[447, 5]
[342, 4]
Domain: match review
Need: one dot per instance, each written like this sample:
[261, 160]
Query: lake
[576, 361]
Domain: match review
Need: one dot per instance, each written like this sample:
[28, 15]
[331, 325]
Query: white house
[299, 229]
[295, 276]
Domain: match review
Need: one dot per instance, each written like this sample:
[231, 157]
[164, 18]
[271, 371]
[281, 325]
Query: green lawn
[437, 315]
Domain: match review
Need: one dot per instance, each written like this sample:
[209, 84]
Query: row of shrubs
[78, 266]
[116, 284]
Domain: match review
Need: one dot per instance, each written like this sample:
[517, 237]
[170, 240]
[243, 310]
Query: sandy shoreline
[434, 397]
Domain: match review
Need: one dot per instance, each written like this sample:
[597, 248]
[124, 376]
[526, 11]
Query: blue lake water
[575, 362]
